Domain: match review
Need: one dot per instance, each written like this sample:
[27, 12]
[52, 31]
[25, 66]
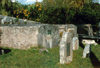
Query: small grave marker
[75, 43]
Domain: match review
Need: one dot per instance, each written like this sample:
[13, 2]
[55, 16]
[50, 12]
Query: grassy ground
[32, 58]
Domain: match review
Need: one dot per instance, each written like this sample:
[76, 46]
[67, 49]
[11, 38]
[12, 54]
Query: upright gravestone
[75, 43]
[48, 36]
[66, 50]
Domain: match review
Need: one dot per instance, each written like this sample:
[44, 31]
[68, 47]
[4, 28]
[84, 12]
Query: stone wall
[6, 20]
[21, 37]
[30, 34]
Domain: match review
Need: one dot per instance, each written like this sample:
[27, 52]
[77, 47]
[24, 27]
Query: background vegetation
[54, 11]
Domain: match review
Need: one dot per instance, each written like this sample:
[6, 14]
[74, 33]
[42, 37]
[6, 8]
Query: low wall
[19, 37]
[24, 36]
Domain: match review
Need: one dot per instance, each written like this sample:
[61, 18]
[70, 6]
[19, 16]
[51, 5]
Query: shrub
[88, 15]
[53, 15]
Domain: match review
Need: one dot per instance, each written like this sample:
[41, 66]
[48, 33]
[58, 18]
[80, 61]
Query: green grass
[32, 58]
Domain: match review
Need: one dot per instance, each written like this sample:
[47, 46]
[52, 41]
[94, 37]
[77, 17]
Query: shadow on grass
[4, 51]
[94, 60]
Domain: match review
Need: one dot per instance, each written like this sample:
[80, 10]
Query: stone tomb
[66, 49]
[23, 34]
[48, 36]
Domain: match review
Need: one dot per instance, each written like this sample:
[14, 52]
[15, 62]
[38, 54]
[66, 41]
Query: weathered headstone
[2, 52]
[63, 49]
[66, 50]
[87, 48]
[75, 43]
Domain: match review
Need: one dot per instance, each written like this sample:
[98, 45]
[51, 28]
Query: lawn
[33, 58]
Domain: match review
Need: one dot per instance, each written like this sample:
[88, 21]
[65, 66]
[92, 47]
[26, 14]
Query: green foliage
[31, 12]
[54, 11]
[53, 15]
[68, 11]
[66, 3]
[5, 6]
[34, 58]
[90, 14]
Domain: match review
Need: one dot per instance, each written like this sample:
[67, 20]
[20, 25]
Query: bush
[53, 15]
[89, 14]
[30, 12]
